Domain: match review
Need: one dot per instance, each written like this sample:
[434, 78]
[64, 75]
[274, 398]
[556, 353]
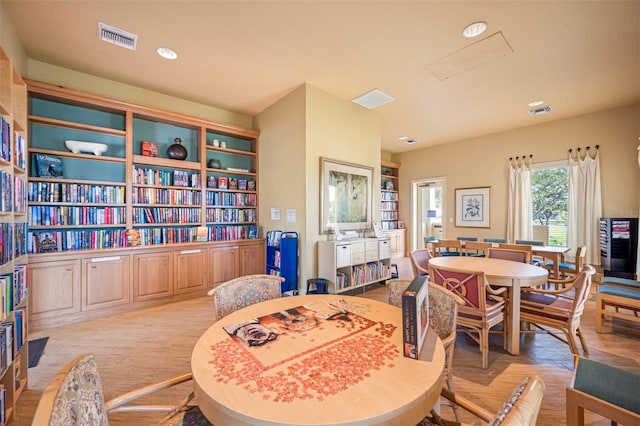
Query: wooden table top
[495, 268]
[314, 360]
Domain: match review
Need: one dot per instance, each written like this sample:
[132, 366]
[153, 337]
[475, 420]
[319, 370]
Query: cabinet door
[54, 289]
[152, 276]
[223, 264]
[190, 271]
[252, 260]
[105, 282]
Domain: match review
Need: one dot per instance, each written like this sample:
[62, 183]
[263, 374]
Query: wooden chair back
[508, 254]
[470, 286]
[244, 291]
[475, 248]
[520, 409]
[522, 247]
[420, 261]
[496, 240]
[448, 248]
[530, 242]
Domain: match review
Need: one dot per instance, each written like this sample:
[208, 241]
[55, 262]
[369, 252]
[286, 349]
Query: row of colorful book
[147, 176]
[71, 216]
[166, 196]
[5, 139]
[57, 192]
[6, 191]
[50, 241]
[13, 289]
[20, 151]
[164, 215]
[19, 195]
[214, 198]
[231, 215]
[232, 232]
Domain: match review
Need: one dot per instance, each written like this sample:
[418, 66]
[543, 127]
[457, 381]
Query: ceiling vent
[538, 111]
[373, 99]
[117, 36]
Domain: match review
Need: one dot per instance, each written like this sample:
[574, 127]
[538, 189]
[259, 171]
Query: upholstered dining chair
[523, 247]
[476, 248]
[420, 261]
[570, 268]
[520, 409]
[559, 309]
[496, 240]
[449, 248]
[467, 238]
[243, 291]
[522, 256]
[483, 307]
[75, 397]
[443, 314]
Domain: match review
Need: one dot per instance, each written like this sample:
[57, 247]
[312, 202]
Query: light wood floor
[137, 348]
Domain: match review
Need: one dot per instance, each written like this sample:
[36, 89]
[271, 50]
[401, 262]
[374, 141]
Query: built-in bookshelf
[389, 207]
[134, 221]
[13, 238]
[389, 195]
[135, 184]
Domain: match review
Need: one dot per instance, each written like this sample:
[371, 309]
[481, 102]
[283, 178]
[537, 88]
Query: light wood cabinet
[153, 275]
[54, 289]
[70, 287]
[190, 271]
[105, 282]
[397, 241]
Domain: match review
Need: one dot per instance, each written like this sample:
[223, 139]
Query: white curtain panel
[585, 204]
[519, 217]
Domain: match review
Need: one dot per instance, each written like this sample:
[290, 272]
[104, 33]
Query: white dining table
[506, 273]
[315, 360]
[554, 253]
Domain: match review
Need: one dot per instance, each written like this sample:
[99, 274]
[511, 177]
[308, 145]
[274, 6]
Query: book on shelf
[242, 184]
[202, 234]
[212, 182]
[46, 242]
[222, 182]
[49, 166]
[415, 316]
[149, 149]
[233, 183]
[133, 237]
[235, 169]
[251, 185]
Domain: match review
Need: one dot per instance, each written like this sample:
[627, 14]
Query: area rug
[35, 350]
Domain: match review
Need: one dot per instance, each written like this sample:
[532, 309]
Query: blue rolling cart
[282, 258]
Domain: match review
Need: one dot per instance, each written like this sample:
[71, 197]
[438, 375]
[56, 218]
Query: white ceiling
[578, 56]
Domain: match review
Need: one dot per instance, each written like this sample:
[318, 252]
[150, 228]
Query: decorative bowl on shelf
[79, 146]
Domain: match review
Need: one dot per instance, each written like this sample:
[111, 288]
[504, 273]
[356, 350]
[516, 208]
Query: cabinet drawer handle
[190, 251]
[105, 259]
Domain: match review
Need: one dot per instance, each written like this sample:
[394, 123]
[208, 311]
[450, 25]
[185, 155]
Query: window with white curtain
[550, 202]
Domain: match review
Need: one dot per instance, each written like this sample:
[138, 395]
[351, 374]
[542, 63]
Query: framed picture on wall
[473, 207]
[346, 192]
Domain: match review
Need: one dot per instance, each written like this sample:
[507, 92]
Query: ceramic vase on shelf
[214, 163]
[177, 151]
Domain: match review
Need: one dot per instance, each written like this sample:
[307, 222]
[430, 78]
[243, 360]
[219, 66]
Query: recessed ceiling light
[543, 110]
[411, 141]
[535, 103]
[475, 29]
[167, 53]
[403, 138]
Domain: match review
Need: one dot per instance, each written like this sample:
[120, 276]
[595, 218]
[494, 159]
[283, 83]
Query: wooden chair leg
[583, 342]
[484, 348]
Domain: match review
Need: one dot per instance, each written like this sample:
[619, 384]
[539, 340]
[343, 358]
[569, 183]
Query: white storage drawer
[385, 249]
[343, 255]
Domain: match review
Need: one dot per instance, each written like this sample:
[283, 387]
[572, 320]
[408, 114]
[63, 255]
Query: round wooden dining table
[314, 360]
[506, 273]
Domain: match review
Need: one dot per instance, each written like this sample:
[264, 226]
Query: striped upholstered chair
[244, 291]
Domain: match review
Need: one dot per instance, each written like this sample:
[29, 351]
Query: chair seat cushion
[629, 293]
[569, 266]
[621, 281]
[551, 306]
[608, 383]
[449, 253]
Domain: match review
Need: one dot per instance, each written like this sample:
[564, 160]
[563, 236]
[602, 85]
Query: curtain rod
[524, 157]
[579, 149]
